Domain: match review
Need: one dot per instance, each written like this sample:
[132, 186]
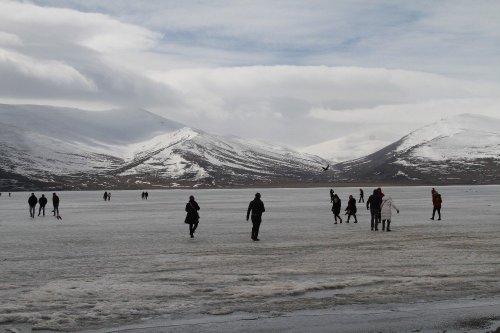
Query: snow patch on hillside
[464, 137]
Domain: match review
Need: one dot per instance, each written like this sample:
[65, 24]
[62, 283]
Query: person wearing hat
[256, 208]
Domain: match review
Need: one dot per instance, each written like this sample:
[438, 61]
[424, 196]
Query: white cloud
[297, 73]
[416, 113]
[47, 72]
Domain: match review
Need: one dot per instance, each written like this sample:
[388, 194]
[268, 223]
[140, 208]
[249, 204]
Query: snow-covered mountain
[461, 149]
[44, 146]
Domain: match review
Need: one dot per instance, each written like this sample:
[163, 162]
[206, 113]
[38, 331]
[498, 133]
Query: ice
[131, 260]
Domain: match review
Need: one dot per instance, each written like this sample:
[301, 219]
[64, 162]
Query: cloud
[303, 105]
[297, 73]
[53, 73]
[459, 38]
[63, 54]
[417, 113]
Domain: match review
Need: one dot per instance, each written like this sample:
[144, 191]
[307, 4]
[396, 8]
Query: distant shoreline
[255, 186]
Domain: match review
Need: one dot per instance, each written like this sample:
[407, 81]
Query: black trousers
[335, 216]
[375, 219]
[41, 209]
[32, 211]
[438, 210]
[256, 221]
[192, 228]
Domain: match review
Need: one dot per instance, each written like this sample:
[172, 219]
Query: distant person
[351, 209]
[436, 203]
[381, 194]
[9, 194]
[373, 204]
[146, 195]
[105, 196]
[337, 203]
[143, 195]
[55, 205]
[256, 208]
[109, 196]
[32, 201]
[361, 195]
[331, 194]
[192, 216]
[386, 211]
[42, 202]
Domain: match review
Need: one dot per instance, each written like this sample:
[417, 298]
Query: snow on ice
[129, 260]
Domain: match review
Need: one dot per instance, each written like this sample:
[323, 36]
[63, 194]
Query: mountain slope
[75, 149]
[461, 150]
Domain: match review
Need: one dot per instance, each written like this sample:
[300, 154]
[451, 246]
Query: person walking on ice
[256, 208]
[436, 203]
[192, 216]
[337, 204]
[42, 202]
[386, 211]
[373, 204]
[351, 209]
[32, 201]
[55, 205]
[361, 195]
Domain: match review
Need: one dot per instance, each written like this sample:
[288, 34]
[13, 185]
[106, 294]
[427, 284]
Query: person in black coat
[351, 209]
[256, 208]
[361, 195]
[55, 204]
[192, 216]
[42, 202]
[32, 201]
[373, 204]
[337, 204]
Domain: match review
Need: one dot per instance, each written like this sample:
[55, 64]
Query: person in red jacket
[436, 203]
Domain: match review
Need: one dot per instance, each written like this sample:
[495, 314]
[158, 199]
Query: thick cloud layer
[290, 72]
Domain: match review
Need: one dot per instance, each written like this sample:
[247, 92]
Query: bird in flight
[326, 168]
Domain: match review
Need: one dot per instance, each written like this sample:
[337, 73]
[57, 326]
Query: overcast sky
[291, 72]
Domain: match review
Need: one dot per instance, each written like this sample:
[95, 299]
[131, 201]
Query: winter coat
[192, 215]
[256, 206]
[337, 203]
[437, 201]
[351, 206]
[55, 201]
[32, 201]
[385, 208]
[374, 202]
[42, 201]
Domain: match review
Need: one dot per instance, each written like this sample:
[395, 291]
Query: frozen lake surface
[130, 261]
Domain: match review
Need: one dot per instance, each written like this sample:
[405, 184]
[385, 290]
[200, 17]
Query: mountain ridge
[464, 149]
[76, 149]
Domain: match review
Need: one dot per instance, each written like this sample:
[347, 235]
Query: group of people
[379, 205]
[254, 212]
[337, 204]
[42, 202]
